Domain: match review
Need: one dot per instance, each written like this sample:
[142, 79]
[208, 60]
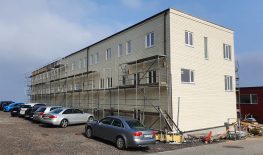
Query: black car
[30, 111]
[16, 110]
[4, 103]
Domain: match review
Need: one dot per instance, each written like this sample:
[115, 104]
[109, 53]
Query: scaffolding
[52, 84]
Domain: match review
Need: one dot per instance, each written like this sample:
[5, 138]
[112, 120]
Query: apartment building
[171, 63]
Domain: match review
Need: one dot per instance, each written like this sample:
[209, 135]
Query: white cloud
[32, 33]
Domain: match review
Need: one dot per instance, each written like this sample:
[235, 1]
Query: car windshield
[26, 106]
[134, 124]
[42, 109]
[56, 111]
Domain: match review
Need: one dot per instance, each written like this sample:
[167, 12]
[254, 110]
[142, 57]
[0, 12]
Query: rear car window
[134, 124]
[42, 109]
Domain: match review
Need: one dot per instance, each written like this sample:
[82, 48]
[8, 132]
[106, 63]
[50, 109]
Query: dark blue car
[11, 106]
[4, 103]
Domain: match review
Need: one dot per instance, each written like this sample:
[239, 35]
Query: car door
[79, 116]
[69, 115]
[115, 129]
[101, 130]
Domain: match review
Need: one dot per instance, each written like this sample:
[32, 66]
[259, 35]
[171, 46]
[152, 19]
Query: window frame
[227, 52]
[128, 47]
[228, 83]
[108, 54]
[191, 74]
[120, 50]
[189, 39]
[206, 56]
[150, 38]
[250, 99]
[96, 58]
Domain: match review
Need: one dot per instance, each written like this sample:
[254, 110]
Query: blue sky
[35, 32]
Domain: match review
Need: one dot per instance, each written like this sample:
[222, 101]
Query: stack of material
[252, 127]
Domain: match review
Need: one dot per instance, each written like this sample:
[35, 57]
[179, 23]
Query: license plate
[148, 136]
[14, 111]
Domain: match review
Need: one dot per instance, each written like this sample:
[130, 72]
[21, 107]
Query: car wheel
[64, 123]
[89, 133]
[91, 119]
[120, 143]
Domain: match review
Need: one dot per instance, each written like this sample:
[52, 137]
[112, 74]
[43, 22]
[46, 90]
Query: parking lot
[20, 136]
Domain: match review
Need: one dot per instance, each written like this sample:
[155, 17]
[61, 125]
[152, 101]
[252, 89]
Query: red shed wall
[255, 109]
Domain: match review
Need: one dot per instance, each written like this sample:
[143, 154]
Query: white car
[66, 116]
[25, 107]
[42, 111]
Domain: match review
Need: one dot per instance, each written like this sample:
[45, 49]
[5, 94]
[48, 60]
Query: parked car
[4, 103]
[66, 116]
[10, 107]
[31, 110]
[124, 132]
[24, 108]
[15, 111]
[43, 110]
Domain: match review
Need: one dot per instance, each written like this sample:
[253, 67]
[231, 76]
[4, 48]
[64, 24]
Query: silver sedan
[124, 132]
[42, 111]
[66, 116]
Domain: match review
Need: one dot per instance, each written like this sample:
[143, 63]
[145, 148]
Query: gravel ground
[20, 136]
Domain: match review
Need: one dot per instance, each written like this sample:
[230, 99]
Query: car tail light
[52, 116]
[137, 134]
[41, 114]
[154, 133]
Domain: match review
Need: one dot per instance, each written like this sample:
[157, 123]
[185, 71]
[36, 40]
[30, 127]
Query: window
[128, 47]
[84, 62]
[136, 79]
[68, 111]
[117, 123]
[123, 80]
[120, 50]
[101, 83]
[206, 47]
[187, 76]
[188, 38]
[227, 51]
[108, 53]
[248, 99]
[91, 59]
[106, 121]
[96, 58]
[77, 111]
[228, 83]
[109, 82]
[152, 76]
[80, 63]
[72, 66]
[149, 40]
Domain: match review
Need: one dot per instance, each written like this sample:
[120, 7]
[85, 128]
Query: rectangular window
[80, 63]
[187, 76]
[123, 80]
[248, 99]
[136, 79]
[101, 83]
[109, 82]
[128, 47]
[228, 83]
[84, 62]
[73, 66]
[96, 58]
[108, 53]
[120, 50]
[206, 47]
[91, 59]
[152, 76]
[227, 51]
[149, 40]
[188, 38]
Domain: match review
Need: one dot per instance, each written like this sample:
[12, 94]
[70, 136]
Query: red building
[251, 102]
